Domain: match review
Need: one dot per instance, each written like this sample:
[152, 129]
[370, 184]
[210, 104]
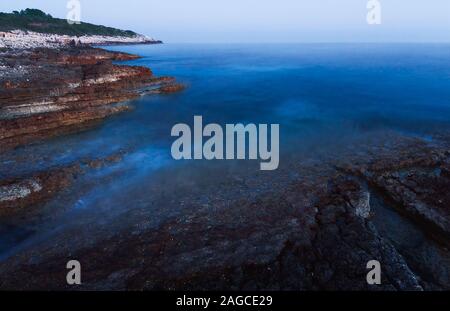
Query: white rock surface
[19, 190]
[362, 204]
[18, 39]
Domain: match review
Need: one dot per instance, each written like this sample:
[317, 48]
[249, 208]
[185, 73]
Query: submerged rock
[19, 190]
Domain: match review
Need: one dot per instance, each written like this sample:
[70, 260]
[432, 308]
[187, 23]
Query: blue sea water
[315, 92]
[322, 95]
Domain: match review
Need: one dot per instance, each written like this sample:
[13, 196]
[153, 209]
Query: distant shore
[19, 39]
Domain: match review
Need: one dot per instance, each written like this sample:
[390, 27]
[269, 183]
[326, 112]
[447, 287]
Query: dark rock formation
[416, 185]
[20, 194]
[273, 243]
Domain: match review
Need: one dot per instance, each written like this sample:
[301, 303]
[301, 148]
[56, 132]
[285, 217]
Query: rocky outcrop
[278, 242]
[422, 193]
[18, 194]
[47, 92]
[417, 185]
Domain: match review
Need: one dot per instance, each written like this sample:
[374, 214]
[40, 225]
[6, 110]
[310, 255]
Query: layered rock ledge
[45, 92]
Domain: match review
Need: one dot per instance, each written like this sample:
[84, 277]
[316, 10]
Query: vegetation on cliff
[38, 21]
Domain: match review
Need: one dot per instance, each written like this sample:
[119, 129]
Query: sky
[228, 21]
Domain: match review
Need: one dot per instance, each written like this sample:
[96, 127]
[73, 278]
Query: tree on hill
[34, 13]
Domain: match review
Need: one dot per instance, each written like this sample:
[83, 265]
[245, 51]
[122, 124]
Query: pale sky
[261, 20]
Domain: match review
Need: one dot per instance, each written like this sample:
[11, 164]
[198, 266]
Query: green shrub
[38, 21]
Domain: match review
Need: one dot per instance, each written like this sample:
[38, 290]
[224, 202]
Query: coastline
[53, 91]
[45, 91]
[314, 232]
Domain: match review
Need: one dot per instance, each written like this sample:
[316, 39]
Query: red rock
[57, 89]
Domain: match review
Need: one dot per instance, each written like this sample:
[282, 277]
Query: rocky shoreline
[315, 232]
[312, 225]
[46, 92]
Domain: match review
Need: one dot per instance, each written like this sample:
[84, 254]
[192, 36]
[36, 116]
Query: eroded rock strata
[45, 92]
[25, 194]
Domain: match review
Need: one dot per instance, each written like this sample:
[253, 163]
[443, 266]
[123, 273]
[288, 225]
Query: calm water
[323, 96]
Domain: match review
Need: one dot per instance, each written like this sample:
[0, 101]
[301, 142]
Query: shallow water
[323, 96]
